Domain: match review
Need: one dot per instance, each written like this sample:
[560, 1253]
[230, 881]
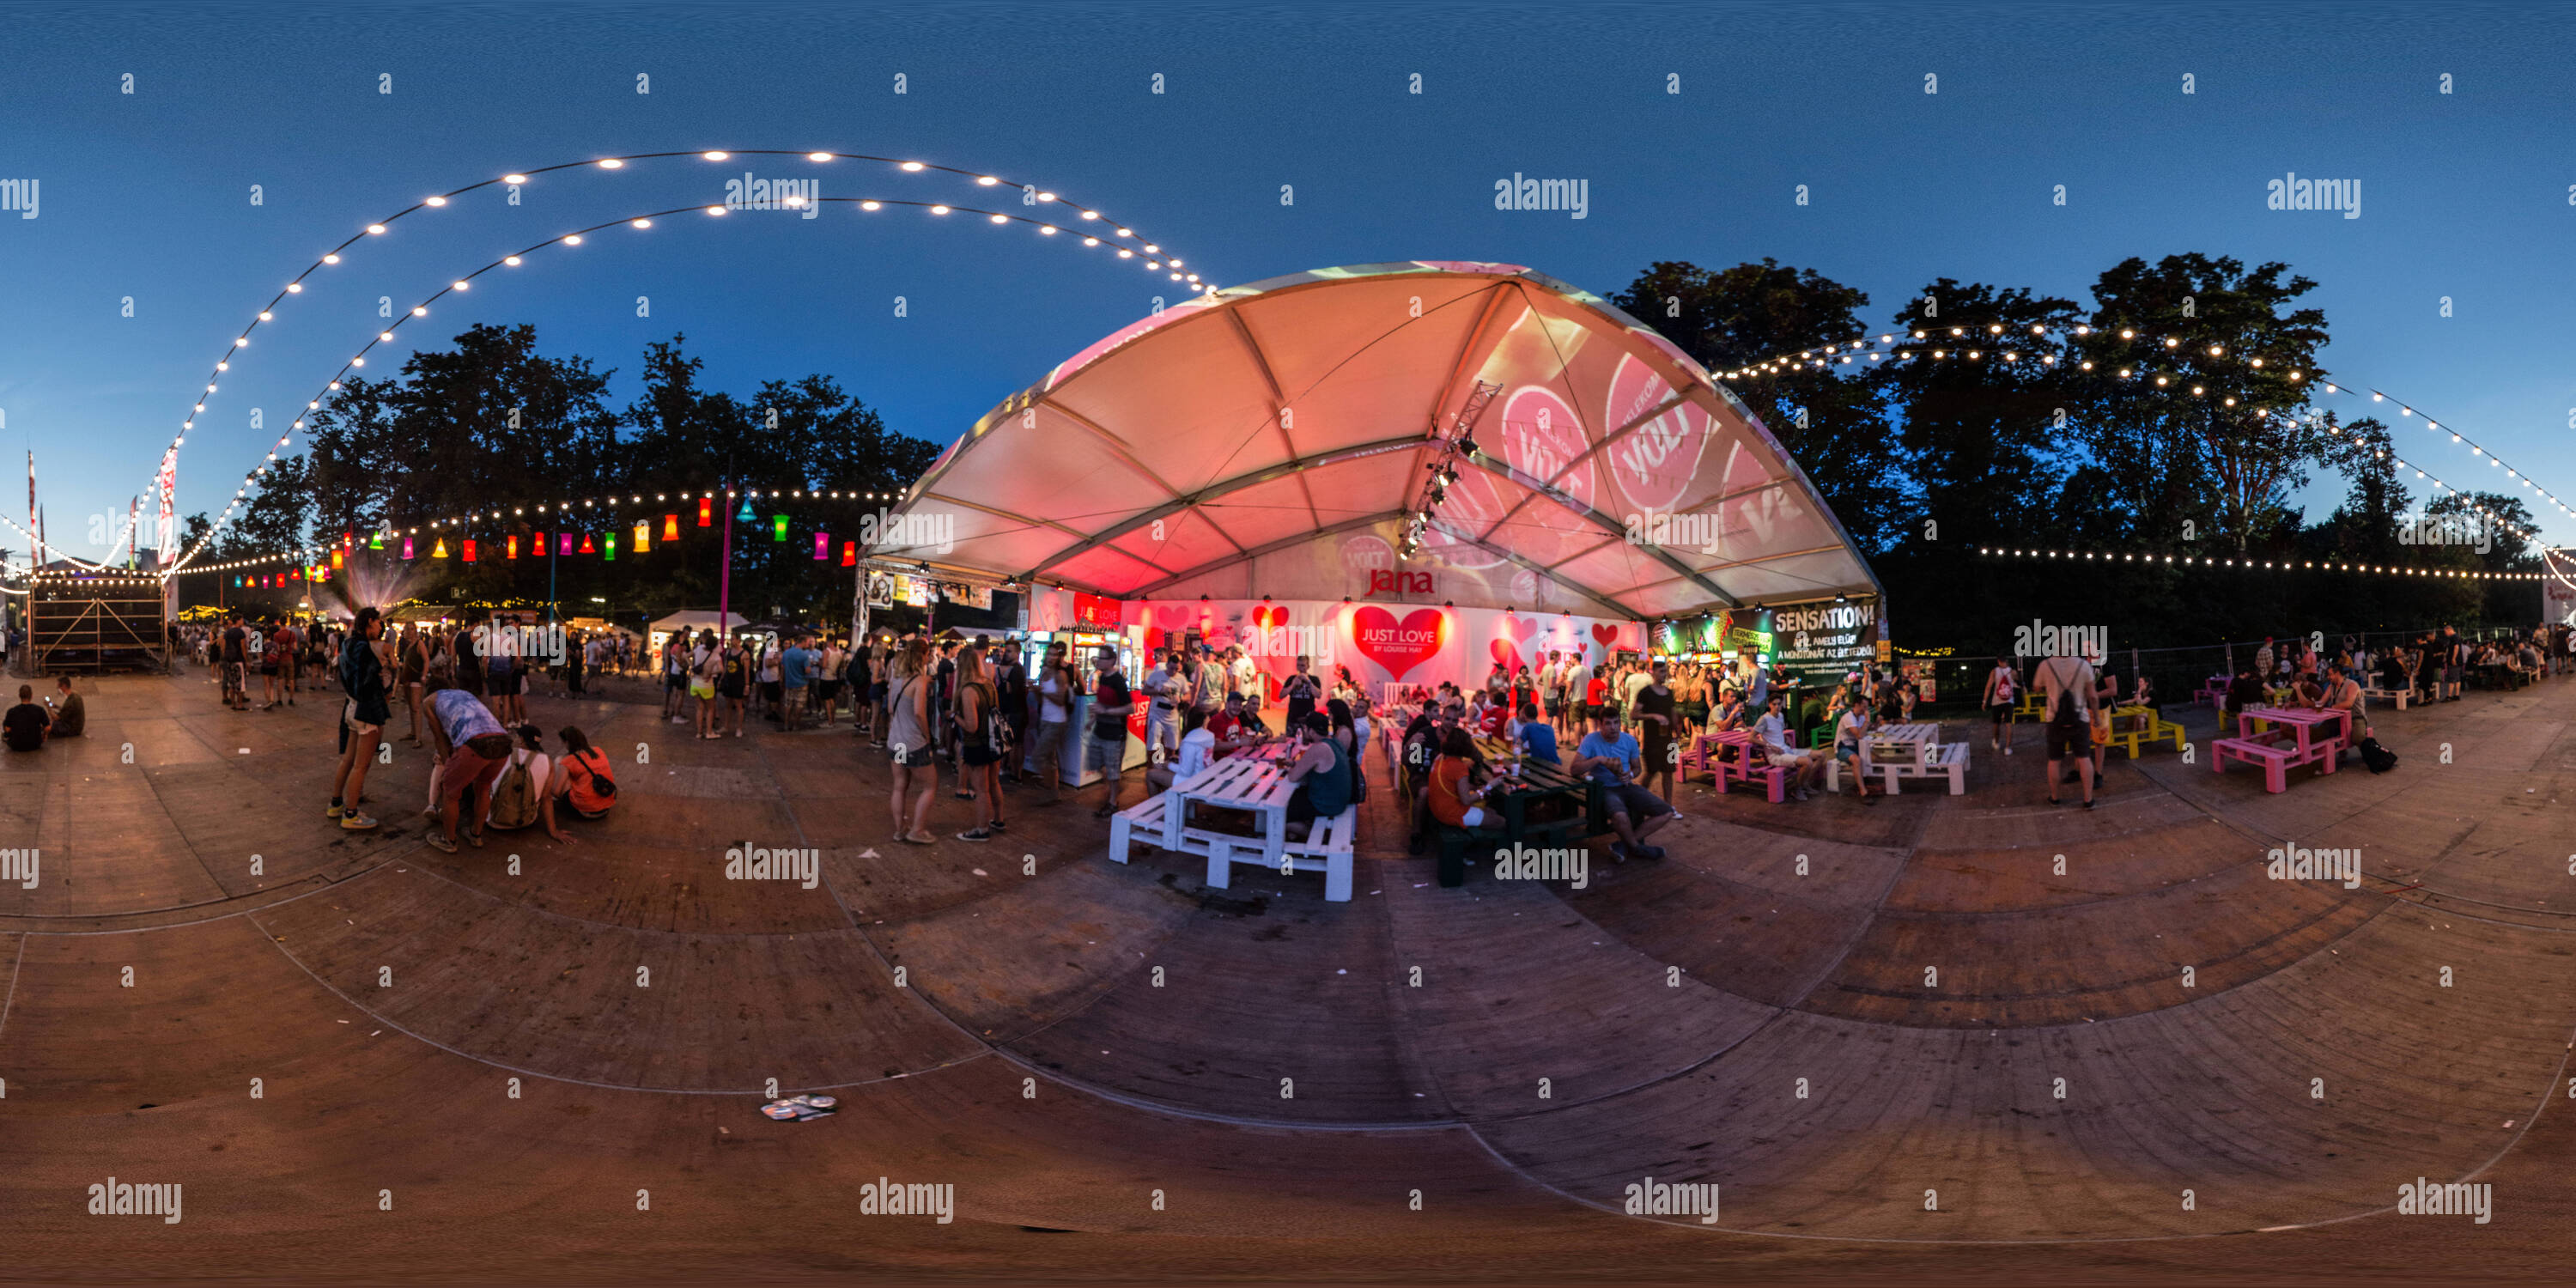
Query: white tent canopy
[698, 619]
[1269, 441]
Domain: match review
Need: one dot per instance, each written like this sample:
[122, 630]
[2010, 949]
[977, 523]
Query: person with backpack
[2066, 686]
[1999, 703]
[523, 794]
[582, 780]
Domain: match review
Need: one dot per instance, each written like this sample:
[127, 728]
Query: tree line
[1927, 461]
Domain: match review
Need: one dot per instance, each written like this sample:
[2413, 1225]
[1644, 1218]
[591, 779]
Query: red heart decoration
[1269, 617]
[1503, 652]
[1520, 628]
[1399, 646]
[1606, 632]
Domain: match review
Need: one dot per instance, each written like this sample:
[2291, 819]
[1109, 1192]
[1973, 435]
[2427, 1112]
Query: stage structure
[95, 622]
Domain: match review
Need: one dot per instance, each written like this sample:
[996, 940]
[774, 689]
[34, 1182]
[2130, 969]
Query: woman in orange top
[582, 778]
[1456, 798]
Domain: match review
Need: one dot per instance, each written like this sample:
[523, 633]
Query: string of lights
[552, 516]
[1173, 269]
[1868, 349]
[1032, 193]
[1461, 441]
[2275, 565]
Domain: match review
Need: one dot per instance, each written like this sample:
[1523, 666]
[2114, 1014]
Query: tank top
[904, 728]
[1330, 787]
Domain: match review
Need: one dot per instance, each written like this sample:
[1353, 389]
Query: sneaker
[1653, 851]
[999, 825]
[474, 839]
[334, 810]
[438, 841]
[975, 834]
[1619, 851]
[353, 821]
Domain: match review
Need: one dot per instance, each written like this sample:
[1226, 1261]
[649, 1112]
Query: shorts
[1634, 801]
[472, 684]
[268, 668]
[701, 690]
[770, 692]
[917, 757]
[877, 692]
[349, 719]
[675, 681]
[980, 753]
[2003, 713]
[734, 691]
[2069, 741]
[826, 690]
[1108, 755]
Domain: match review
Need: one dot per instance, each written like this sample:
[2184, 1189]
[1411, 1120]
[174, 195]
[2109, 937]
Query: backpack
[2379, 759]
[514, 797]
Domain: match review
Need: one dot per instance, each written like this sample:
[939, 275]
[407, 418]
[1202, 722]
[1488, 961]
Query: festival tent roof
[1269, 440]
[698, 619]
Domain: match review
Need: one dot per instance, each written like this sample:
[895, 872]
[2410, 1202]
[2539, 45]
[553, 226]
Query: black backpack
[2379, 759]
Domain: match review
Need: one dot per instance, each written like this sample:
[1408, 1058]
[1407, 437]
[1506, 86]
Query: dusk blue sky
[2465, 195]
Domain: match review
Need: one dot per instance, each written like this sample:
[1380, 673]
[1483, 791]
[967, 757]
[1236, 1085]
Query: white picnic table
[1900, 744]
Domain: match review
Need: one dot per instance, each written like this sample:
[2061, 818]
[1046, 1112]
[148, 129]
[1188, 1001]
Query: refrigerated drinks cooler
[1079, 771]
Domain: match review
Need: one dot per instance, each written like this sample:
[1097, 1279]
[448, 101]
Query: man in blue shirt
[795, 667]
[1611, 758]
[1538, 741]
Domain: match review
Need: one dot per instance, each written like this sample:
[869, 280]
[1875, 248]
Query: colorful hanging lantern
[339, 559]
[406, 547]
[563, 543]
[670, 527]
[608, 546]
[643, 527]
[586, 547]
[537, 544]
[822, 546]
[778, 527]
[469, 550]
[514, 545]
[849, 554]
[299, 574]
[706, 511]
[237, 581]
[376, 540]
[348, 541]
[439, 551]
[746, 516]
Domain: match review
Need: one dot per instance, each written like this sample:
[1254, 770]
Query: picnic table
[1511, 796]
[2264, 737]
[1901, 751]
[2213, 690]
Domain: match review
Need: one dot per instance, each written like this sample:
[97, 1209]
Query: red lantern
[849, 554]
[586, 547]
[339, 558]
[469, 550]
[670, 527]
[706, 511]
[299, 574]
[514, 545]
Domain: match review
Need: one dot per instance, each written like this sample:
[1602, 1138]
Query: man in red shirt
[1596, 693]
[1226, 726]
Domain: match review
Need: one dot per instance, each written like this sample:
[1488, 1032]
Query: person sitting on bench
[1611, 758]
[1456, 796]
[1322, 773]
[1772, 732]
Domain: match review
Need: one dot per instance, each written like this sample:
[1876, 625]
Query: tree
[2211, 415]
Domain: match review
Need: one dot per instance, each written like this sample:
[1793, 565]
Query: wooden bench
[1149, 820]
[1950, 760]
[2398, 696]
[2275, 756]
[1741, 769]
[1326, 848]
[2158, 730]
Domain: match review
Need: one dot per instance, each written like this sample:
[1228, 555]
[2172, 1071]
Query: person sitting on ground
[524, 793]
[70, 717]
[1612, 758]
[23, 729]
[582, 780]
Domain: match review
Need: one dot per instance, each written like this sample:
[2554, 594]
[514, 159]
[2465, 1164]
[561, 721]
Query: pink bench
[2275, 756]
[1739, 768]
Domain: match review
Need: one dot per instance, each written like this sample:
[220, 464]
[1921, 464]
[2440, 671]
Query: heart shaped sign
[1269, 617]
[1606, 632]
[1399, 646]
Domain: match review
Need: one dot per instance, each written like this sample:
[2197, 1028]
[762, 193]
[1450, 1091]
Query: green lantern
[778, 527]
[376, 540]
[608, 548]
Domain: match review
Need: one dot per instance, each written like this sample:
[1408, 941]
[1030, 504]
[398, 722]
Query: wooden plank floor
[1061, 1037]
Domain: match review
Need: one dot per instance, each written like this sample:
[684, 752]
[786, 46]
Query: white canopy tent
[1271, 439]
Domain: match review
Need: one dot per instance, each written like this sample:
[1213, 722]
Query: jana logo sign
[1399, 581]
